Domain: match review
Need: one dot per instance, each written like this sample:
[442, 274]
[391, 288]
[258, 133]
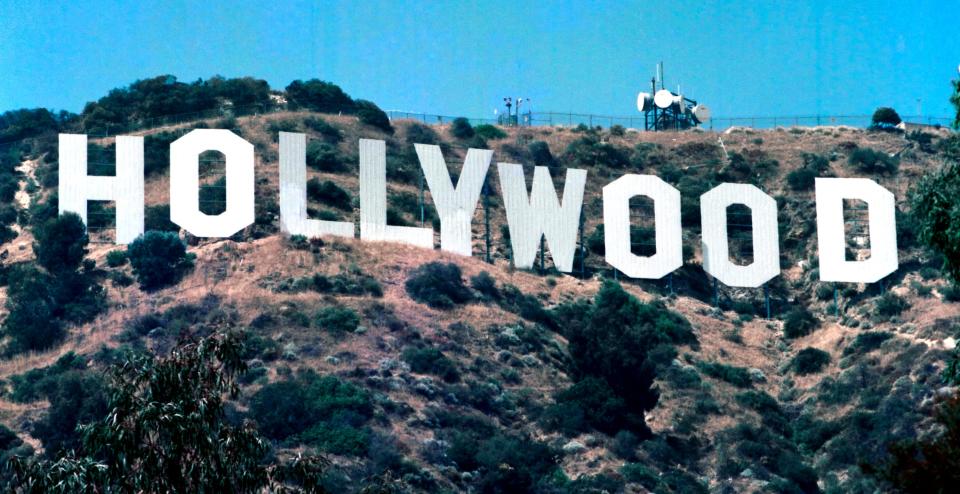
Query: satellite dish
[663, 99]
[701, 113]
[644, 102]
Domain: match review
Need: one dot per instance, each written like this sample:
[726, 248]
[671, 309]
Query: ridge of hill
[448, 393]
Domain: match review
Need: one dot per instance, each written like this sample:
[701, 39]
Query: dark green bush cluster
[41, 301]
[890, 304]
[489, 132]
[799, 322]
[814, 165]
[159, 259]
[589, 151]
[460, 128]
[766, 453]
[320, 411]
[869, 160]
[329, 193]
[116, 258]
[885, 118]
[349, 283]
[810, 361]
[866, 342]
[371, 114]
[486, 284]
[613, 345]
[439, 285]
[428, 360]
[540, 154]
[324, 157]
[337, 319]
[737, 376]
[526, 306]
[330, 133]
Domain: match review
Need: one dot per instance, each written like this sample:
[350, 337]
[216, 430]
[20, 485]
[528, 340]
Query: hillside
[448, 394]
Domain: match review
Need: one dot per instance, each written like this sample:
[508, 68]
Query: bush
[934, 209]
[737, 376]
[872, 161]
[324, 157]
[486, 285]
[371, 114]
[157, 218]
[810, 361]
[325, 412]
[439, 285]
[319, 96]
[801, 179]
[890, 304]
[590, 403]
[799, 322]
[489, 132]
[617, 130]
[541, 155]
[460, 128]
[431, 361]
[61, 243]
[867, 342]
[329, 193]
[32, 322]
[337, 319]
[116, 258]
[158, 259]
[76, 398]
[885, 118]
[330, 133]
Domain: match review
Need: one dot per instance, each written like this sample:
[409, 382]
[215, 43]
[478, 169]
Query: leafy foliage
[872, 161]
[810, 361]
[158, 259]
[799, 322]
[460, 128]
[439, 285]
[329, 193]
[323, 411]
[337, 319]
[885, 118]
[371, 114]
[166, 431]
[431, 361]
[935, 207]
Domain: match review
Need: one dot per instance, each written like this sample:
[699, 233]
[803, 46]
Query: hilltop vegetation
[390, 368]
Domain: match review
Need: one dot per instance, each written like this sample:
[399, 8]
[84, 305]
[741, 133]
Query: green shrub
[590, 403]
[866, 342]
[158, 259]
[872, 161]
[486, 285]
[801, 179]
[951, 293]
[541, 155]
[431, 361]
[116, 258]
[617, 130]
[330, 133]
[337, 319]
[890, 304]
[439, 285]
[32, 322]
[460, 128]
[935, 212]
[325, 412]
[885, 118]
[371, 114]
[324, 157]
[799, 322]
[61, 243]
[418, 133]
[329, 193]
[319, 96]
[737, 376]
[157, 218]
[489, 132]
[810, 361]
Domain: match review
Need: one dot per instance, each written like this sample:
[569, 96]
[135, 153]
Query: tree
[158, 259]
[371, 114]
[461, 128]
[439, 285]
[614, 343]
[61, 243]
[32, 323]
[955, 99]
[166, 431]
[935, 207]
[885, 118]
[319, 96]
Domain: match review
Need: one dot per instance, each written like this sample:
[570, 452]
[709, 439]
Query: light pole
[509, 103]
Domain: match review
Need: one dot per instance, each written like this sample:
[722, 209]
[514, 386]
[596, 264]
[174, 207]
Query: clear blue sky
[461, 58]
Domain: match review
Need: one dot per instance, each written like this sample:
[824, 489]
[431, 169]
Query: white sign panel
[541, 214]
[185, 180]
[125, 189]
[455, 206]
[373, 200]
[293, 193]
[716, 245]
[832, 238]
[616, 226]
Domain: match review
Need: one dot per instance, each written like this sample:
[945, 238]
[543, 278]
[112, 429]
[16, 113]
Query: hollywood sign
[530, 213]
